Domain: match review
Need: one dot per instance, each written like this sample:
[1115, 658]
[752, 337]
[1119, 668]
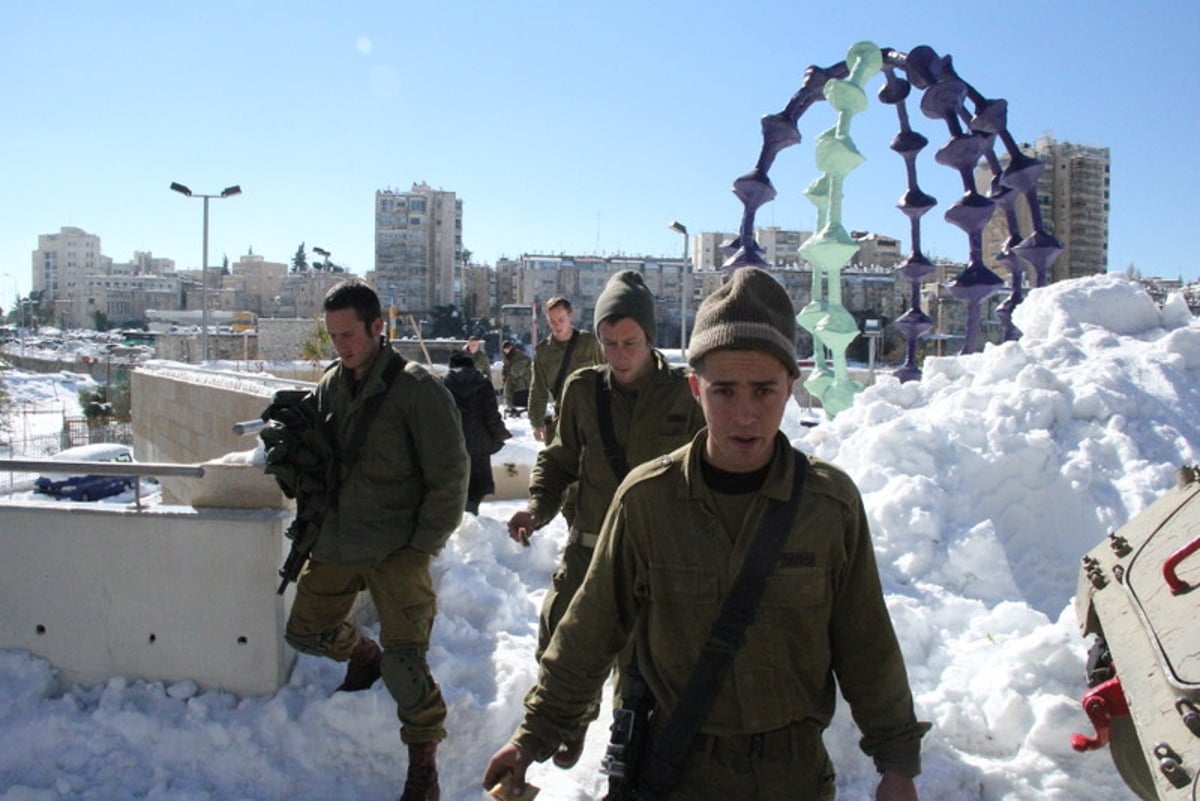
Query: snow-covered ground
[985, 482]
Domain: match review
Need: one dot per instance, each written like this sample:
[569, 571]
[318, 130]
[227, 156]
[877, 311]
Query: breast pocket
[690, 585]
[799, 580]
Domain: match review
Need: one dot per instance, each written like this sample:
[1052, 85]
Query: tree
[225, 266]
[316, 348]
[300, 261]
[99, 320]
[445, 321]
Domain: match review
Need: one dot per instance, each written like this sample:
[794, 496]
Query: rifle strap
[564, 368]
[608, 434]
[369, 409]
[662, 769]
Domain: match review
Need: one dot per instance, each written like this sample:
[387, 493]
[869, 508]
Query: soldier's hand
[508, 763]
[521, 525]
[539, 433]
[895, 786]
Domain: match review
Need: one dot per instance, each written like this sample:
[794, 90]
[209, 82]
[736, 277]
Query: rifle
[299, 454]
[629, 737]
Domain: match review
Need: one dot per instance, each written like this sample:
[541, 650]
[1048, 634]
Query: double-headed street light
[685, 281]
[228, 191]
[323, 252]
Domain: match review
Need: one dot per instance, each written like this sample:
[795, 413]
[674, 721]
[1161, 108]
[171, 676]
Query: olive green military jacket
[662, 569]
[408, 486]
[547, 359]
[483, 362]
[663, 416]
[515, 375]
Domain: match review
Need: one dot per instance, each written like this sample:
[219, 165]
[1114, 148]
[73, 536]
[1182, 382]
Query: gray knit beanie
[750, 311]
[626, 295]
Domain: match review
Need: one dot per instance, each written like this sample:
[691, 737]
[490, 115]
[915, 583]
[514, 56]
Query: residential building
[1073, 195]
[62, 260]
[256, 281]
[418, 247]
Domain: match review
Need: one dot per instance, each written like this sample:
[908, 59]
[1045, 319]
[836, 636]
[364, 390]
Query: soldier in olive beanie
[751, 311]
[626, 295]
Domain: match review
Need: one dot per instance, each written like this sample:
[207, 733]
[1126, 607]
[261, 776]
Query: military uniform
[483, 362]
[656, 419]
[664, 564]
[396, 506]
[547, 360]
[516, 376]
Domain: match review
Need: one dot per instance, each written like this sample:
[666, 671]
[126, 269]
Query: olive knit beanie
[626, 295]
[750, 311]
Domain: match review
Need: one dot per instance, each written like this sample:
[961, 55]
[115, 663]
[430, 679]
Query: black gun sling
[564, 368]
[661, 768]
[369, 410]
[608, 433]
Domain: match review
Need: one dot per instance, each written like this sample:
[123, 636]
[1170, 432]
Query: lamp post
[228, 191]
[685, 280]
[323, 252]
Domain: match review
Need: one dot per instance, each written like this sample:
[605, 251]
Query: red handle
[1102, 703]
[1177, 584]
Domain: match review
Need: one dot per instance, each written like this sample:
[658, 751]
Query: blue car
[87, 487]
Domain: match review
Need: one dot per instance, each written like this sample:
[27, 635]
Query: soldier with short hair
[391, 510]
[674, 540]
[561, 352]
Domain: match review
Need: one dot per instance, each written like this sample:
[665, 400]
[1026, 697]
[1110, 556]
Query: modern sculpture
[944, 97]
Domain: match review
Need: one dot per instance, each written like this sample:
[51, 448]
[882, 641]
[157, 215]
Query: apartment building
[418, 247]
[62, 260]
[1073, 195]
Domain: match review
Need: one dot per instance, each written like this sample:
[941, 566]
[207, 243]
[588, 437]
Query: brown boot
[422, 781]
[364, 667]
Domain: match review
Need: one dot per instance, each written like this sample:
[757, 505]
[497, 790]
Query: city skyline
[582, 130]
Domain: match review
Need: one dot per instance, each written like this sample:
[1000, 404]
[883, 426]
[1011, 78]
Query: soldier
[613, 417]
[672, 542]
[515, 377]
[474, 348]
[563, 351]
[393, 509]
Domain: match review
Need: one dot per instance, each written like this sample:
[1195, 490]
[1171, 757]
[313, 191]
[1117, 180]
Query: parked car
[87, 487]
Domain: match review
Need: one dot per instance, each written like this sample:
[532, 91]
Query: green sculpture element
[829, 250]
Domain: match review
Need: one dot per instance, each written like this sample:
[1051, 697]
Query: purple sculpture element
[914, 323]
[944, 96]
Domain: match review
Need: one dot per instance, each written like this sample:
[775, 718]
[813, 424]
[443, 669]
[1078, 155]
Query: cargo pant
[402, 589]
[783, 765]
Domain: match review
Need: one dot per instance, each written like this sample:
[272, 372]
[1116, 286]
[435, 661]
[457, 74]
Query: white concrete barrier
[169, 594]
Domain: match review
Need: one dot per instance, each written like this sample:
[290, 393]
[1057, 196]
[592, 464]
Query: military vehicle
[1139, 594]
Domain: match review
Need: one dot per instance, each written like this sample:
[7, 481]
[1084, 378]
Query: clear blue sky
[580, 127]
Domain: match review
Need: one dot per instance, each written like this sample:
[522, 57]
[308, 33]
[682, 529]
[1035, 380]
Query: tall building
[1073, 195]
[62, 260]
[418, 247]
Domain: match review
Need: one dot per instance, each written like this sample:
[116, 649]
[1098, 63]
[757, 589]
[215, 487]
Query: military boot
[364, 667]
[421, 784]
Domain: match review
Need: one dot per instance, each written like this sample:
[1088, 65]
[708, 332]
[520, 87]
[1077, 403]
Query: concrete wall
[167, 595]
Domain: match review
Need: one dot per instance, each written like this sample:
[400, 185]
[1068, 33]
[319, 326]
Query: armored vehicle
[1139, 594]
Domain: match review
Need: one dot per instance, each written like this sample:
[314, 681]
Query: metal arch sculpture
[944, 97]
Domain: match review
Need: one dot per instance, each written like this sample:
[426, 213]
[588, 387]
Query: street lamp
[228, 191]
[323, 252]
[684, 287]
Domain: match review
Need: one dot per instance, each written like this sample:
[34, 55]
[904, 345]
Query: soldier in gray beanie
[626, 295]
[751, 311]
